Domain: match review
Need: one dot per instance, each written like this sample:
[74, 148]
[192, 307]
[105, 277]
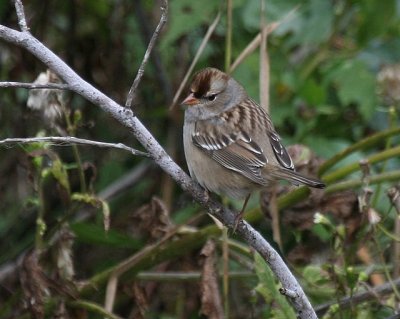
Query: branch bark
[127, 118]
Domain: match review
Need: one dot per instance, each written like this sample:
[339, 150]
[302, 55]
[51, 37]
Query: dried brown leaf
[64, 257]
[153, 219]
[211, 304]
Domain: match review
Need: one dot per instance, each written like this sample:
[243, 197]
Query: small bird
[231, 146]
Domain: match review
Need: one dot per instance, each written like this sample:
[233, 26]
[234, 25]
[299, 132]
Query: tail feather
[296, 178]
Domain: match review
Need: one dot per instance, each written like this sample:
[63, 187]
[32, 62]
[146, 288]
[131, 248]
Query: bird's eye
[212, 97]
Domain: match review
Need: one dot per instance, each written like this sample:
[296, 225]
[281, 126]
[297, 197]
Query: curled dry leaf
[394, 195]
[211, 304]
[389, 83]
[153, 219]
[64, 254]
[48, 101]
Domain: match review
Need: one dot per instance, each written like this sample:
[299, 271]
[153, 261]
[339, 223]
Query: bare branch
[70, 140]
[202, 46]
[19, 8]
[32, 86]
[161, 23]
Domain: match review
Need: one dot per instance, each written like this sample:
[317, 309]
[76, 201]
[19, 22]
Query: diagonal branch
[163, 20]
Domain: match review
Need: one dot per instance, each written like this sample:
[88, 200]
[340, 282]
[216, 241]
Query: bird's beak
[190, 100]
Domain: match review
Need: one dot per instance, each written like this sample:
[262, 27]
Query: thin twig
[19, 8]
[70, 140]
[145, 31]
[361, 297]
[33, 86]
[161, 23]
[202, 46]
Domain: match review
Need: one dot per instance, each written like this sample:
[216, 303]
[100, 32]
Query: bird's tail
[296, 178]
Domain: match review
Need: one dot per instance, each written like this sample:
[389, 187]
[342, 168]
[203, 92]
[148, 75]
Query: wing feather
[224, 141]
[237, 153]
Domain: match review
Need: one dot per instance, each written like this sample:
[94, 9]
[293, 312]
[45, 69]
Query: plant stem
[40, 224]
[363, 144]
[228, 40]
[392, 125]
[347, 170]
[93, 307]
[71, 131]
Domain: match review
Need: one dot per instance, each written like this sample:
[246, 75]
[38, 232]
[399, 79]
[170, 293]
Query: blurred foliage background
[334, 81]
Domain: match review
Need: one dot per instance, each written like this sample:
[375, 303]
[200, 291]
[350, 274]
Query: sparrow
[231, 146]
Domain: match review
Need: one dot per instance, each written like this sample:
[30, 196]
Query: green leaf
[186, 16]
[275, 10]
[312, 25]
[322, 232]
[314, 275]
[375, 17]
[355, 84]
[312, 92]
[269, 290]
[95, 235]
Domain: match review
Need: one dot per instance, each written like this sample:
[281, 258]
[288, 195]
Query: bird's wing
[234, 151]
[265, 125]
[225, 142]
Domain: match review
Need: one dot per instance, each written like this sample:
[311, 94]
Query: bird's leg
[239, 216]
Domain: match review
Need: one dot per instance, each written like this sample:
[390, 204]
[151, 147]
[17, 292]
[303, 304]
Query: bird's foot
[238, 219]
